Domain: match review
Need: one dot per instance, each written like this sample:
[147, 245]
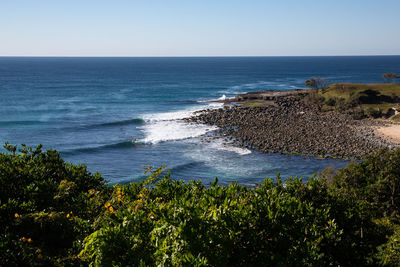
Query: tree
[311, 83]
[390, 77]
[319, 83]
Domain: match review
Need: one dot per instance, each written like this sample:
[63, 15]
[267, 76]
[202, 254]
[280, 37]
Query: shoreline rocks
[291, 126]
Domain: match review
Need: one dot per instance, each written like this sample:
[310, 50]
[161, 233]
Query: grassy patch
[396, 118]
[253, 104]
[345, 90]
[384, 107]
[373, 100]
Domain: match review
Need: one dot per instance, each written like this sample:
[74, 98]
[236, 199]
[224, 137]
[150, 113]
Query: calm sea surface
[117, 114]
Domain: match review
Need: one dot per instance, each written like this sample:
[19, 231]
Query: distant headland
[342, 120]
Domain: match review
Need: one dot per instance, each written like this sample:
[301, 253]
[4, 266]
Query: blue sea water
[117, 114]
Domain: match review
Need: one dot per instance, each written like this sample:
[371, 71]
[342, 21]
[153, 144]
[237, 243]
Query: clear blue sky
[199, 28]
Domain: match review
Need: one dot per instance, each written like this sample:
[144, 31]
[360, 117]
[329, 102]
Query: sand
[390, 132]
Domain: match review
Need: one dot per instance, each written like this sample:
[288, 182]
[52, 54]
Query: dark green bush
[55, 213]
[331, 101]
[389, 253]
[358, 114]
[43, 206]
[314, 98]
[373, 113]
[374, 181]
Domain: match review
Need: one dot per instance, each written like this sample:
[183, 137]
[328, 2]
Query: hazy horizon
[189, 56]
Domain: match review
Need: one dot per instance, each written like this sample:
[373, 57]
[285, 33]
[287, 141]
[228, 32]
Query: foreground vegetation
[54, 213]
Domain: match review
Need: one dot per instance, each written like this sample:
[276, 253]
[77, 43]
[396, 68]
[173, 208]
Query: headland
[340, 121]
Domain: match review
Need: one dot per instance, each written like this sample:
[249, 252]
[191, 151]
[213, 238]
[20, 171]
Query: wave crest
[93, 149]
[169, 126]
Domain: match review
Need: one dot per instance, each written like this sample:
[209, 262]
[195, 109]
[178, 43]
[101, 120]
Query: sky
[199, 27]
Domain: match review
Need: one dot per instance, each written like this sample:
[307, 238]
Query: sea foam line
[169, 126]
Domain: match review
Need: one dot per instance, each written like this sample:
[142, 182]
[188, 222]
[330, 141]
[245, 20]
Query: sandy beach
[390, 132]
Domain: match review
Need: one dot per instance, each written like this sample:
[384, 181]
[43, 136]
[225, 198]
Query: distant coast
[286, 122]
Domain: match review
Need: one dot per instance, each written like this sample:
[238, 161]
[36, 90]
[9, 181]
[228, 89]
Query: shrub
[358, 114]
[389, 254]
[174, 223]
[351, 219]
[373, 113]
[341, 104]
[43, 200]
[374, 182]
[331, 101]
[314, 98]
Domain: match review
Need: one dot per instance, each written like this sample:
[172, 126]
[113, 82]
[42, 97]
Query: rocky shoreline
[283, 123]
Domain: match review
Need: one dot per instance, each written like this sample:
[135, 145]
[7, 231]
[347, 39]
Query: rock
[290, 125]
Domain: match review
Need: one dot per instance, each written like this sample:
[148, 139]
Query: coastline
[280, 122]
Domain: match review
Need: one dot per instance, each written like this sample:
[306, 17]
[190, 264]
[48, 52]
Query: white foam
[263, 85]
[215, 105]
[173, 130]
[223, 97]
[169, 116]
[237, 150]
[168, 126]
[219, 145]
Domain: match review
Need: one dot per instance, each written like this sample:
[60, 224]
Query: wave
[23, 123]
[220, 145]
[277, 84]
[169, 116]
[124, 144]
[169, 126]
[136, 121]
[186, 166]
[170, 130]
[238, 150]
[122, 122]
[222, 98]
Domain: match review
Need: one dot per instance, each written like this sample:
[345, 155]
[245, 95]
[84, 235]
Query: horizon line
[188, 56]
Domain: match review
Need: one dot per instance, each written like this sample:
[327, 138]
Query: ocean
[117, 115]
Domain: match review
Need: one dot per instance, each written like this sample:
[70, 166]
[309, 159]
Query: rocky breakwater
[291, 126]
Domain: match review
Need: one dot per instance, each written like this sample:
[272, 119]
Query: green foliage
[317, 83]
[358, 100]
[174, 223]
[331, 101]
[374, 181]
[314, 98]
[396, 118]
[373, 113]
[43, 206]
[389, 254]
[358, 114]
[374, 184]
[59, 214]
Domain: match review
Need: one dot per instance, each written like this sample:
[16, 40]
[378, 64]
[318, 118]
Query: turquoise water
[118, 114]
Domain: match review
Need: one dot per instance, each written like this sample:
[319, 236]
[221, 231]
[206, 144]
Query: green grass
[396, 118]
[252, 104]
[346, 90]
[384, 107]
[354, 88]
